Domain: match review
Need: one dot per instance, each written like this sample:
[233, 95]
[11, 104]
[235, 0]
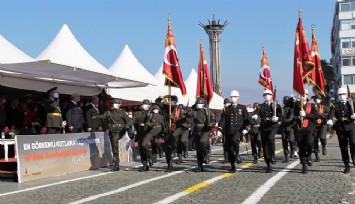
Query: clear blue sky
[103, 27]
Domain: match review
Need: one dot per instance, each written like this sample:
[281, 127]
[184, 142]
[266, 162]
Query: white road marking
[262, 190]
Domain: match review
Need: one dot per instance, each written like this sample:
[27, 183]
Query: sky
[104, 27]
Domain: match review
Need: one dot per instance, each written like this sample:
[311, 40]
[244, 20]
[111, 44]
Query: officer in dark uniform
[226, 103]
[344, 127]
[201, 133]
[54, 116]
[286, 128]
[139, 120]
[254, 132]
[304, 129]
[155, 125]
[271, 117]
[118, 122]
[234, 123]
[321, 130]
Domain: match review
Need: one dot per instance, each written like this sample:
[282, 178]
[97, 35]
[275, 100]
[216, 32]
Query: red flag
[171, 66]
[298, 85]
[303, 61]
[265, 73]
[316, 78]
[204, 86]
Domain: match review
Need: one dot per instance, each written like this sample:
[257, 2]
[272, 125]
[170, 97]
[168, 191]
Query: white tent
[9, 53]
[67, 65]
[127, 66]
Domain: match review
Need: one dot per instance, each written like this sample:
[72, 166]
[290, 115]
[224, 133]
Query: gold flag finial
[169, 20]
[200, 40]
[300, 13]
[313, 29]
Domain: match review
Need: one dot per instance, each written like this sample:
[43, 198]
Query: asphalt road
[325, 183]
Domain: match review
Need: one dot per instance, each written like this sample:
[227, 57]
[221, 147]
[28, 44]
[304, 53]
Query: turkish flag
[265, 73]
[298, 85]
[204, 86]
[171, 66]
[316, 78]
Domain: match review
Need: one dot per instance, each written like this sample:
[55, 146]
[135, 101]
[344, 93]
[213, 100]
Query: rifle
[350, 100]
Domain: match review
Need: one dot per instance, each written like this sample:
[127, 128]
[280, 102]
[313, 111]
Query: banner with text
[41, 156]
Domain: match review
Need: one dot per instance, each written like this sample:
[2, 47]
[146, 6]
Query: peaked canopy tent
[65, 64]
[127, 66]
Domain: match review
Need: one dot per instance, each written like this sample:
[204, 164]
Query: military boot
[255, 161]
[145, 167]
[273, 159]
[170, 167]
[116, 167]
[186, 154]
[304, 168]
[317, 157]
[233, 169]
[269, 167]
[309, 161]
[286, 160]
[225, 161]
[347, 168]
[179, 159]
[200, 167]
[150, 159]
[324, 150]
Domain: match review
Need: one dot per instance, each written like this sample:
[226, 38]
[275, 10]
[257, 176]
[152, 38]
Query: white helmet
[267, 91]
[234, 93]
[342, 91]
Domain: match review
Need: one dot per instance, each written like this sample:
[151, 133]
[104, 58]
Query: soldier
[344, 126]
[139, 120]
[118, 123]
[234, 123]
[320, 132]
[271, 118]
[94, 125]
[201, 133]
[304, 128]
[286, 129]
[254, 132]
[155, 125]
[226, 102]
[54, 117]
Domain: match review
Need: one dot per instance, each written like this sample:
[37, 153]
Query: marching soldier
[344, 126]
[139, 120]
[118, 122]
[201, 132]
[271, 117]
[305, 124]
[286, 129]
[234, 123]
[155, 125]
[254, 132]
[226, 102]
[321, 130]
[54, 116]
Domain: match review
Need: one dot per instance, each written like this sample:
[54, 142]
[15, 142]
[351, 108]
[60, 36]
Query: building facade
[343, 44]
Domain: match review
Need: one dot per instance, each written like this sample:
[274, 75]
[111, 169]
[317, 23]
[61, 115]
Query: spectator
[94, 125]
[74, 115]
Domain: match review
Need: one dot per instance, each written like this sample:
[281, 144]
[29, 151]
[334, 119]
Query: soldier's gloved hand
[330, 122]
[255, 117]
[352, 116]
[244, 131]
[302, 113]
[274, 119]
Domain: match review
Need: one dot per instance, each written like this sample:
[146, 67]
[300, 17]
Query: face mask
[226, 105]
[155, 111]
[145, 106]
[343, 97]
[268, 97]
[234, 99]
[318, 101]
[3, 101]
[199, 106]
[55, 95]
[130, 116]
[116, 106]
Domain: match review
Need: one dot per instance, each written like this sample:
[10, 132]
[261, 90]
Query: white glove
[255, 117]
[274, 119]
[245, 131]
[55, 95]
[329, 122]
[352, 116]
[64, 123]
[302, 113]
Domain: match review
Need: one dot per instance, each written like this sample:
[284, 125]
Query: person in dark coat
[94, 125]
[74, 115]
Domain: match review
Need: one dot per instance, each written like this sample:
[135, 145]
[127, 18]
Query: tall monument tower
[214, 30]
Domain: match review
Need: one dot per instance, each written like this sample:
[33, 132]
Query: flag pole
[169, 94]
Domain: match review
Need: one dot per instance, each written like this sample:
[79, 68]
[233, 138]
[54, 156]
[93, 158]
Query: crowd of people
[301, 124]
